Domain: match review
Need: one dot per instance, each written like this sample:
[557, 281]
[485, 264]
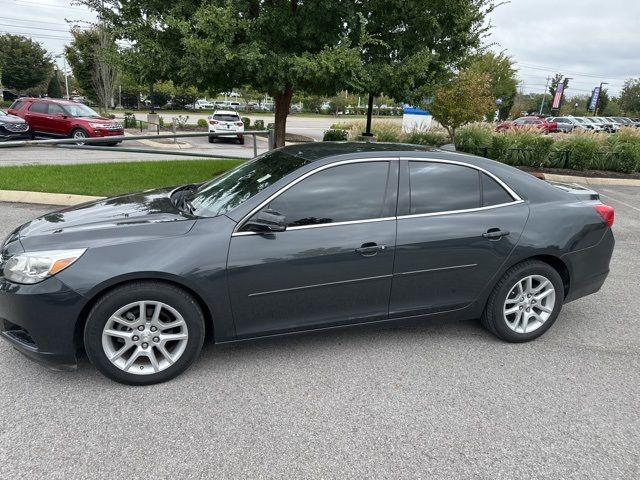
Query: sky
[592, 41]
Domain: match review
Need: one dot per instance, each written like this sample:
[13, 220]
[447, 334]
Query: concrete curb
[169, 146]
[623, 182]
[39, 198]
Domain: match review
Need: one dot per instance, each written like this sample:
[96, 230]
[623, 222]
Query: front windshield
[579, 120]
[80, 110]
[240, 184]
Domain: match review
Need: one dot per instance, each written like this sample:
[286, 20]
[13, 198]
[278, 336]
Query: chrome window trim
[298, 180]
[454, 212]
[516, 198]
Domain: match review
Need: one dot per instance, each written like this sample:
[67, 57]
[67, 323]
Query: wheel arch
[557, 264]
[95, 294]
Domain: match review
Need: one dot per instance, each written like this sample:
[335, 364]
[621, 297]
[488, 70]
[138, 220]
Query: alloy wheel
[145, 337]
[529, 304]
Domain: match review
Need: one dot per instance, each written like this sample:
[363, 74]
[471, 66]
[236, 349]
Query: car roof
[60, 101]
[313, 151]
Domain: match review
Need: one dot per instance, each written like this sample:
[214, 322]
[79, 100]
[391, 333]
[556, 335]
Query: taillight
[213, 122]
[606, 212]
[239, 124]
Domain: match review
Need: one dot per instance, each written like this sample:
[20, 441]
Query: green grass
[108, 179]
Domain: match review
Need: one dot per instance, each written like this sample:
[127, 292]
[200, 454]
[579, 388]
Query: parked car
[226, 122]
[65, 118]
[564, 124]
[13, 127]
[305, 237]
[580, 122]
[541, 123]
[202, 104]
[596, 126]
[627, 122]
[607, 126]
[8, 95]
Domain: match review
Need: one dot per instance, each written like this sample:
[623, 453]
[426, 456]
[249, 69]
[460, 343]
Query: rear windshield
[226, 118]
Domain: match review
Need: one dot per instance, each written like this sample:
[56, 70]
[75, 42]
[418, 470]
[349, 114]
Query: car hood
[10, 119]
[112, 220]
[97, 119]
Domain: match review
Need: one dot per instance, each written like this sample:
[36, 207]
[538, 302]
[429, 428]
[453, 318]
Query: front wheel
[79, 134]
[525, 302]
[144, 333]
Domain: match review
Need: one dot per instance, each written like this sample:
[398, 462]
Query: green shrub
[258, 125]
[336, 135]
[625, 151]
[582, 150]
[247, 123]
[433, 137]
[473, 137]
[130, 120]
[202, 123]
[271, 126]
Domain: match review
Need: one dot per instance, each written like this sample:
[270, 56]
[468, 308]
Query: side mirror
[267, 221]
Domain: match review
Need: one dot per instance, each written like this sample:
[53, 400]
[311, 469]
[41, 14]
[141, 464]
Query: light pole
[544, 96]
[595, 113]
[575, 108]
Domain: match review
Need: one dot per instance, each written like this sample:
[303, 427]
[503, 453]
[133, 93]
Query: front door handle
[370, 249]
[495, 234]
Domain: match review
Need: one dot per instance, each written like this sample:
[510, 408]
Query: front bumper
[100, 132]
[40, 321]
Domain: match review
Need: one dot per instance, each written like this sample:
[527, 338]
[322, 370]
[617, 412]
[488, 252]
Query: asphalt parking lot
[427, 401]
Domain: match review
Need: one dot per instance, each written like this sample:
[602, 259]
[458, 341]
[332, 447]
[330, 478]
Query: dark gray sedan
[301, 238]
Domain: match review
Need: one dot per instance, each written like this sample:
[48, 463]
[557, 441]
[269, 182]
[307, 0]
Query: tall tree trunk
[282, 103]
[367, 132]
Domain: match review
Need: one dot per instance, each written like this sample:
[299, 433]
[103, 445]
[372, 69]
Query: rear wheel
[525, 302]
[241, 140]
[144, 333]
[212, 139]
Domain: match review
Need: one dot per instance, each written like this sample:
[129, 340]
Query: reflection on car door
[456, 227]
[333, 265]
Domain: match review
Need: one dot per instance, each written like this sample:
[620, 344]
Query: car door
[457, 225]
[58, 122]
[333, 264]
[36, 116]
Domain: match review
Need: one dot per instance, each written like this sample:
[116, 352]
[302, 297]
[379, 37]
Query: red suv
[530, 121]
[64, 118]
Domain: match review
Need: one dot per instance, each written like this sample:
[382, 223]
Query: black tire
[493, 317]
[212, 139]
[175, 297]
[241, 140]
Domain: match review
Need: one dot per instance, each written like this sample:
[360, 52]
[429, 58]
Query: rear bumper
[589, 268]
[40, 321]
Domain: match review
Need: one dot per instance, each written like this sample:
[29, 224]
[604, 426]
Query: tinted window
[80, 110]
[17, 105]
[492, 192]
[55, 109]
[38, 107]
[238, 185]
[338, 194]
[442, 187]
[226, 118]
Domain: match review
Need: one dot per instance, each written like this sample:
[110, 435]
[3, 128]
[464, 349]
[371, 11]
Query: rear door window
[442, 187]
[39, 107]
[492, 192]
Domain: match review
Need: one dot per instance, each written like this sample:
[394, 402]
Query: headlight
[34, 267]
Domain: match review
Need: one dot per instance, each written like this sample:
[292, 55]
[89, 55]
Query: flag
[594, 99]
[558, 96]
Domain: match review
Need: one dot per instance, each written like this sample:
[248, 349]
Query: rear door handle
[495, 234]
[370, 249]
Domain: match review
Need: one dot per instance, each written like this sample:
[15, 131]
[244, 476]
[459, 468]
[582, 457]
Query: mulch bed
[583, 173]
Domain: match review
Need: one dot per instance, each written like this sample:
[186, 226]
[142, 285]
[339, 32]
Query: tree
[415, 45]
[502, 80]
[53, 89]
[465, 99]
[603, 100]
[630, 96]
[24, 63]
[91, 57]
[276, 46]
